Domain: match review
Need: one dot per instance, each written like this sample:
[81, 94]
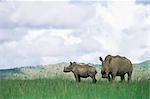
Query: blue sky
[33, 33]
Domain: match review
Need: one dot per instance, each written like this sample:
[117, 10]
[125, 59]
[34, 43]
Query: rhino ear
[100, 58]
[70, 63]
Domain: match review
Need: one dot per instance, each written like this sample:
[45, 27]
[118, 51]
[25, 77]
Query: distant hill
[31, 72]
[145, 64]
[52, 70]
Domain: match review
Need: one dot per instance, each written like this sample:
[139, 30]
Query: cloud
[116, 29]
[44, 14]
[7, 35]
[144, 2]
[33, 33]
[38, 45]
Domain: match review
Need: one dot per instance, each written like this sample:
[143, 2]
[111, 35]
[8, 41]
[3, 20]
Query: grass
[61, 88]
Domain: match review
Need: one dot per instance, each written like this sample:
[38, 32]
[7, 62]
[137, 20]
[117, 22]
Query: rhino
[81, 70]
[113, 66]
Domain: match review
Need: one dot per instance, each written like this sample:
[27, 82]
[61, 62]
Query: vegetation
[49, 82]
[145, 64]
[52, 70]
[62, 88]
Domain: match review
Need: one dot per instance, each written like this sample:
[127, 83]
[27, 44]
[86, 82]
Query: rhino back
[83, 69]
[120, 64]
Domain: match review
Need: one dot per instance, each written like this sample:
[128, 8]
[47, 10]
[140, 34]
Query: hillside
[55, 70]
[39, 71]
[145, 64]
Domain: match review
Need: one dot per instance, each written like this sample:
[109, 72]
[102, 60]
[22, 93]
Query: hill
[53, 70]
[145, 64]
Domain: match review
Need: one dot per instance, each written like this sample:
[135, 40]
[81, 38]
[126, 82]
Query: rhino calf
[113, 66]
[83, 71]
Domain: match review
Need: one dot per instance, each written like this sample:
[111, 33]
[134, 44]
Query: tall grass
[59, 88]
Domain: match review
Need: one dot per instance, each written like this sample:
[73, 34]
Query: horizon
[51, 32]
[13, 67]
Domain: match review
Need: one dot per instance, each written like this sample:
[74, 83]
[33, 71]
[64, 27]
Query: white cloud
[66, 35]
[118, 29]
[82, 33]
[45, 14]
[37, 46]
[39, 0]
[88, 57]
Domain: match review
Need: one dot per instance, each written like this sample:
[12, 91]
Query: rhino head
[70, 67]
[105, 67]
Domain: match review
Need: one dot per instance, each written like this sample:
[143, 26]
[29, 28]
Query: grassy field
[61, 88]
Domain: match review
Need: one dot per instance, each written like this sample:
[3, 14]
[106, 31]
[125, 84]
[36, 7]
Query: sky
[47, 32]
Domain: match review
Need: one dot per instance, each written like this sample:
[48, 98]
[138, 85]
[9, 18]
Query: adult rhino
[113, 66]
[83, 71]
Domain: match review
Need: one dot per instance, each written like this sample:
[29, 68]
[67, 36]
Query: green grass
[58, 88]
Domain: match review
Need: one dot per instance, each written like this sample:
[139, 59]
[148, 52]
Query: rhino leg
[94, 79]
[129, 76]
[113, 77]
[122, 78]
[77, 78]
[109, 78]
